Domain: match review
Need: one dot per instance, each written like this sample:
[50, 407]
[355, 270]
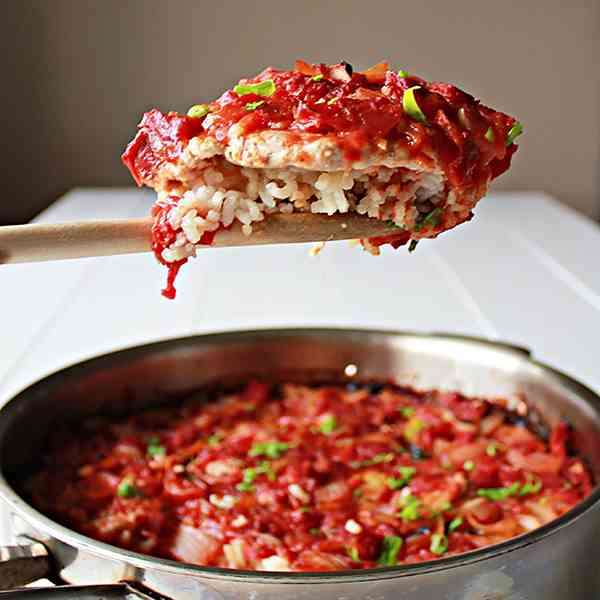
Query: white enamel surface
[526, 270]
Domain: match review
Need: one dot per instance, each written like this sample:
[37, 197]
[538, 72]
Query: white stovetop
[526, 270]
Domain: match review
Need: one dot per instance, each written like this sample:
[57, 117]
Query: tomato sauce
[360, 109]
[310, 478]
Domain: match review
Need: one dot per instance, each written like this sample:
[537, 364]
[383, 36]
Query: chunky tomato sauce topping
[310, 478]
[361, 109]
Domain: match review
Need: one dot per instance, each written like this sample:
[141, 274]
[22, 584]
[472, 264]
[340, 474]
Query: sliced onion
[194, 546]
[536, 462]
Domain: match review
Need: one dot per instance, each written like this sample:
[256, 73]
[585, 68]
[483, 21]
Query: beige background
[78, 75]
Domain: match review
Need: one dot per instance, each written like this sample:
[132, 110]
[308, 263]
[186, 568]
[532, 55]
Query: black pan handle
[113, 591]
[20, 565]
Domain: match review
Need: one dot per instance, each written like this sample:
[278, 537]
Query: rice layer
[223, 193]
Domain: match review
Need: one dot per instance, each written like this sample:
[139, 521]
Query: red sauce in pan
[310, 478]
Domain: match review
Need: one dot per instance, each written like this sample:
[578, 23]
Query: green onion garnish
[407, 412]
[394, 483]
[198, 111]
[489, 135]
[468, 465]
[214, 439]
[251, 473]
[391, 546]
[382, 457]
[317, 77]
[455, 524]
[406, 474]
[500, 493]
[410, 105]
[403, 73]
[491, 450]
[263, 88]
[332, 101]
[155, 449]
[269, 449]
[410, 512]
[439, 543]
[433, 218]
[443, 506]
[314, 531]
[413, 245]
[530, 487]
[127, 488]
[244, 486]
[254, 105]
[353, 553]
[515, 131]
[328, 424]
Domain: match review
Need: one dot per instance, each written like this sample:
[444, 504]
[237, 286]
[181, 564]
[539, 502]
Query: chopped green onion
[499, 493]
[127, 488]
[382, 457]
[403, 73]
[455, 524]
[251, 473]
[443, 506]
[433, 218]
[395, 484]
[410, 512]
[332, 101]
[489, 135]
[407, 412]
[328, 424]
[353, 553]
[391, 546]
[198, 111]
[314, 531]
[269, 449]
[214, 439]
[317, 77]
[439, 543]
[530, 487]
[468, 465]
[412, 428]
[263, 88]
[515, 131]
[155, 450]
[491, 450]
[254, 105]
[413, 245]
[406, 474]
[410, 105]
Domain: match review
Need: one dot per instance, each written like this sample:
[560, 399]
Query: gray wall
[79, 74]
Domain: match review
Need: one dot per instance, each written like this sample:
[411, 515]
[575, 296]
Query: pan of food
[302, 463]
